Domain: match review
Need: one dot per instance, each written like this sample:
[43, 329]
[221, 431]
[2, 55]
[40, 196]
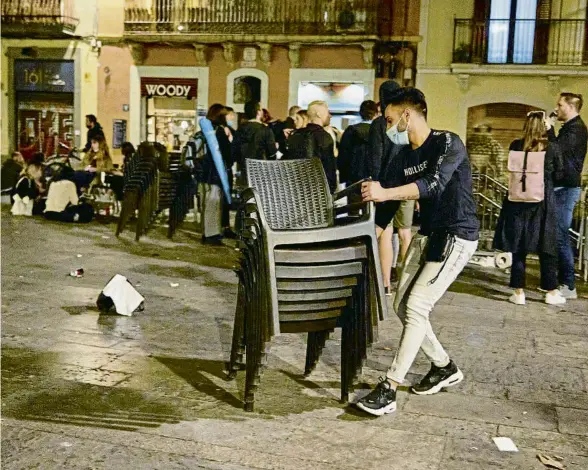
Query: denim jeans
[566, 199]
[416, 302]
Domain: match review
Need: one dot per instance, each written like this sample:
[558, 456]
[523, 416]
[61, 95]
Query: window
[511, 31]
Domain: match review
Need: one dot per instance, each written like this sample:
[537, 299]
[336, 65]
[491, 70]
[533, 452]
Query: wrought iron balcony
[255, 17]
[547, 42]
[38, 18]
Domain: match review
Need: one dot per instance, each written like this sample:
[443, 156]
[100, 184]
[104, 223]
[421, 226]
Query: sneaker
[517, 299]
[568, 293]
[388, 290]
[438, 378]
[380, 401]
[555, 299]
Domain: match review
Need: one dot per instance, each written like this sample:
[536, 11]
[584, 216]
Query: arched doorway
[245, 85]
[491, 128]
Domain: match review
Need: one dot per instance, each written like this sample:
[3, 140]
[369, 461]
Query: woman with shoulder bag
[527, 222]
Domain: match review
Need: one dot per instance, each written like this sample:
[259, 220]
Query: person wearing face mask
[433, 167]
[313, 141]
[392, 246]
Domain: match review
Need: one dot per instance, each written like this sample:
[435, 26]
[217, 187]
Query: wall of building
[86, 93]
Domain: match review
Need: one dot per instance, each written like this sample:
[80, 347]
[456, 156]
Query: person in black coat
[525, 227]
[354, 150]
[94, 130]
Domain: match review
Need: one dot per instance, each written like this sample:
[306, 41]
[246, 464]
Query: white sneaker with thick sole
[517, 299]
[555, 299]
[567, 293]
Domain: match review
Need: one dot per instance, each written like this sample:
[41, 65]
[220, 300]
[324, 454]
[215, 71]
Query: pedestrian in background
[531, 227]
[253, 139]
[94, 130]
[314, 141]
[11, 170]
[572, 141]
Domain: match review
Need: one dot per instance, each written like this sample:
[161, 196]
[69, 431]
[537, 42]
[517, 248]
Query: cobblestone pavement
[87, 391]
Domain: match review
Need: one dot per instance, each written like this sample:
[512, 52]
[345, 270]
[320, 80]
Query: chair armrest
[355, 187]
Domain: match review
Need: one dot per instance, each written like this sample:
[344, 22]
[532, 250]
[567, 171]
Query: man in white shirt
[63, 203]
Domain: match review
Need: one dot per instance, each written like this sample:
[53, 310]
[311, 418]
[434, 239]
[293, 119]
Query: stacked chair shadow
[155, 182]
[306, 266]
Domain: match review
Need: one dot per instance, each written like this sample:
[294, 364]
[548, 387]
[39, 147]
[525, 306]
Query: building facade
[483, 64]
[164, 62]
[49, 74]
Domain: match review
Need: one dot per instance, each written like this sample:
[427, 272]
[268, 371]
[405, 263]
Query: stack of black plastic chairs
[307, 266]
[154, 182]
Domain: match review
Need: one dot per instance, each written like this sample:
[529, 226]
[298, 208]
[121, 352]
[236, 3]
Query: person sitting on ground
[11, 170]
[62, 200]
[531, 227]
[27, 194]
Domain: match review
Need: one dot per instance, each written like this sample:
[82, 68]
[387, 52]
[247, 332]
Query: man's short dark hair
[411, 98]
[574, 99]
[368, 110]
[251, 109]
[91, 118]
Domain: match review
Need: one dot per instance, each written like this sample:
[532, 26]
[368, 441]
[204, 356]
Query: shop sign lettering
[168, 90]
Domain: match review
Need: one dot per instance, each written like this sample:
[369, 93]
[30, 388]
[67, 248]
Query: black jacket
[323, 148]
[10, 174]
[572, 141]
[93, 133]
[525, 227]
[379, 143]
[253, 140]
[353, 161]
[441, 169]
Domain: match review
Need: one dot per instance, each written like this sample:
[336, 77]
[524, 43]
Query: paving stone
[547, 441]
[476, 408]
[573, 421]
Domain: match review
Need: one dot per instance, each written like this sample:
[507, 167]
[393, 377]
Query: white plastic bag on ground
[126, 299]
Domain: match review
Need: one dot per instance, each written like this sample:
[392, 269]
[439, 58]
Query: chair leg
[314, 347]
[237, 349]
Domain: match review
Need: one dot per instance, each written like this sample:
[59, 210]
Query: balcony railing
[253, 17]
[38, 18]
[548, 42]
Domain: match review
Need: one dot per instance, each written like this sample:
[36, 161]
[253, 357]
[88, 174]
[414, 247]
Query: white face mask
[398, 137]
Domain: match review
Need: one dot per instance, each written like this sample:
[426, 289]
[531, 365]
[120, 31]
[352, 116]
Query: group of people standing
[304, 134]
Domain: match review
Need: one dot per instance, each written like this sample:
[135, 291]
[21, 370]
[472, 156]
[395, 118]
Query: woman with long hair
[215, 208]
[531, 227]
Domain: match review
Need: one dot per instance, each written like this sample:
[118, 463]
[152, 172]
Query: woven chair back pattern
[294, 193]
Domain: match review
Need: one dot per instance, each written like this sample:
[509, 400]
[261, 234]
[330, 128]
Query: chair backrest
[294, 193]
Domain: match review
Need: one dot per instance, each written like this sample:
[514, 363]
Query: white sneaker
[568, 293]
[555, 299]
[517, 299]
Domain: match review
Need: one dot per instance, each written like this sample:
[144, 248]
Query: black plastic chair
[304, 270]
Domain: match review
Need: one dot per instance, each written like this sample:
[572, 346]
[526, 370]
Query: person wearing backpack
[314, 141]
[528, 218]
[253, 139]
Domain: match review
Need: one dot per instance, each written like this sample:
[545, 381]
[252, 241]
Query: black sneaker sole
[450, 381]
[390, 408]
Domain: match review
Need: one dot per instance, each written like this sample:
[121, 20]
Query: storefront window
[44, 106]
[170, 111]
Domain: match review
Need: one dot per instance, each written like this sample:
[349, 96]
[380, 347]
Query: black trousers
[83, 210]
[548, 267]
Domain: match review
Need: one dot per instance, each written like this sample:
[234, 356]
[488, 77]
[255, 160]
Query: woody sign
[169, 87]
